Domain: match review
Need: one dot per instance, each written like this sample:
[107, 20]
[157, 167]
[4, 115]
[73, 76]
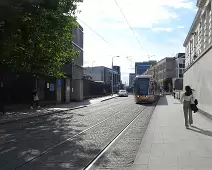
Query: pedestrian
[35, 99]
[187, 99]
[174, 93]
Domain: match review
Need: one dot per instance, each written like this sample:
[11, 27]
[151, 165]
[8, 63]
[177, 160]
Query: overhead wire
[128, 23]
[93, 30]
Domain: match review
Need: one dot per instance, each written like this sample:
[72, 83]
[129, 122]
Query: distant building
[153, 71]
[180, 65]
[198, 56]
[118, 69]
[104, 74]
[131, 79]
[142, 67]
[179, 70]
[166, 69]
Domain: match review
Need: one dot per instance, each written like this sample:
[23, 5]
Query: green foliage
[36, 38]
[166, 83]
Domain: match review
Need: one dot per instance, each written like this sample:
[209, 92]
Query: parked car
[122, 93]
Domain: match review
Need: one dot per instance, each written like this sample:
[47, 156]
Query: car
[122, 93]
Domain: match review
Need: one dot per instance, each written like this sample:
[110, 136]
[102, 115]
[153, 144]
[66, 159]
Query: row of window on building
[200, 35]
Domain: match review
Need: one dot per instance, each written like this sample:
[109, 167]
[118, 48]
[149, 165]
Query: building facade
[104, 74]
[153, 71]
[198, 52]
[118, 69]
[142, 67]
[179, 70]
[180, 65]
[74, 70]
[18, 88]
[166, 68]
[131, 79]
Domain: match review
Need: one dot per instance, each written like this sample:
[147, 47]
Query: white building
[180, 65]
[198, 56]
[179, 70]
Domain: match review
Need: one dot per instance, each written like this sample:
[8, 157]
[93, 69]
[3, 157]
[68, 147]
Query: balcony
[201, 3]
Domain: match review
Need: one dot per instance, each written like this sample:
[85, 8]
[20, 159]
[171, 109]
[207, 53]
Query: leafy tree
[36, 35]
[166, 83]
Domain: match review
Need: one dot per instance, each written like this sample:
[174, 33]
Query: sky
[154, 29]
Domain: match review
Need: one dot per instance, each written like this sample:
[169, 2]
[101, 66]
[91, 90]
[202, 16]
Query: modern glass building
[142, 67]
[131, 79]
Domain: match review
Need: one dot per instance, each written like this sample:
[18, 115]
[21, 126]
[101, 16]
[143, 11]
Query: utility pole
[93, 62]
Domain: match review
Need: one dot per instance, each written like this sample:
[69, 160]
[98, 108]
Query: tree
[166, 83]
[36, 36]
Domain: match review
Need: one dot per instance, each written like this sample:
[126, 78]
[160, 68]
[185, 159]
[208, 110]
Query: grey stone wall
[199, 77]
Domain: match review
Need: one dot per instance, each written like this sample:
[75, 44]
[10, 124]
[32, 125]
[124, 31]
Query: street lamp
[93, 62]
[150, 56]
[112, 72]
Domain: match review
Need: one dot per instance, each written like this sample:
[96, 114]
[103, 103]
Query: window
[181, 71]
[181, 65]
[191, 44]
[142, 86]
[180, 75]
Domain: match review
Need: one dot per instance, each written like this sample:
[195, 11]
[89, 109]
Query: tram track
[81, 149]
[98, 156]
[38, 127]
[72, 138]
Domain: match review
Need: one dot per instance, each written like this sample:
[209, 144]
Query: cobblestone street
[57, 136]
[115, 134]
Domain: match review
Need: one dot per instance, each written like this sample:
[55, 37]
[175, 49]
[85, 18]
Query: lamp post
[93, 62]
[150, 56]
[112, 73]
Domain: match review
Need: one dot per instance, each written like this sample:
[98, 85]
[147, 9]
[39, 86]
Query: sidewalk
[168, 145]
[10, 117]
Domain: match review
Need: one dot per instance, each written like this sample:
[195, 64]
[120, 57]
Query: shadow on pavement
[147, 104]
[163, 100]
[42, 134]
[201, 131]
[28, 113]
[206, 114]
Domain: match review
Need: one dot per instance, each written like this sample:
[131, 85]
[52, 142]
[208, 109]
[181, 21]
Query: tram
[146, 89]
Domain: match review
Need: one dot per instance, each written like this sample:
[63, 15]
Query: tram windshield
[142, 86]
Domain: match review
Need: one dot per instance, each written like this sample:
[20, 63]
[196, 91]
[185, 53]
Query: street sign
[59, 84]
[52, 87]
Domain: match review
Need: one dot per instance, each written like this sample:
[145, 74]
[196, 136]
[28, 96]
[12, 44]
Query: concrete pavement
[168, 145]
[10, 117]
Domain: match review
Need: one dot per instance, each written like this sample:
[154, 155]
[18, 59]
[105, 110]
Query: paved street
[30, 113]
[71, 140]
[27, 139]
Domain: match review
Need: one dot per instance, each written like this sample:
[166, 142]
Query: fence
[94, 89]
[17, 89]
